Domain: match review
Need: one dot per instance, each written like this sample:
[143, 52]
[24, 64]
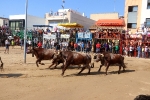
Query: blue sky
[40, 7]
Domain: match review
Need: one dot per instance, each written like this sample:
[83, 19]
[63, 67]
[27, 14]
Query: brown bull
[1, 66]
[42, 54]
[74, 58]
[110, 59]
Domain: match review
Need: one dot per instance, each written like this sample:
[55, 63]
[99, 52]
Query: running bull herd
[68, 58]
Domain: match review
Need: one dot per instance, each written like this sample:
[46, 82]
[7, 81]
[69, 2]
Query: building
[137, 14]
[4, 21]
[18, 22]
[96, 17]
[68, 16]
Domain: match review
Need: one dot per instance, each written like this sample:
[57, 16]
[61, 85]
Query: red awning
[110, 22]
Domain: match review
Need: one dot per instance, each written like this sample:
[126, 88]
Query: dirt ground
[21, 81]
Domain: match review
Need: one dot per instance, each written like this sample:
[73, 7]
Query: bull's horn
[102, 55]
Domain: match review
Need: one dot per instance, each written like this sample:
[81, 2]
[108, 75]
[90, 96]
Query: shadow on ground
[14, 75]
[99, 73]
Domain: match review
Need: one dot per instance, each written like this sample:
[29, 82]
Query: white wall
[1, 22]
[15, 17]
[145, 13]
[33, 20]
[84, 21]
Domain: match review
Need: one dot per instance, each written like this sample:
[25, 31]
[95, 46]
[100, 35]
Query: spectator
[39, 44]
[7, 43]
[98, 46]
[12, 44]
[139, 51]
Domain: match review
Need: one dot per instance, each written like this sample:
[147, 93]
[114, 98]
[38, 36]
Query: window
[148, 4]
[131, 25]
[147, 22]
[132, 8]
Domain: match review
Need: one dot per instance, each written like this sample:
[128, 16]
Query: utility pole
[63, 6]
[25, 31]
[114, 6]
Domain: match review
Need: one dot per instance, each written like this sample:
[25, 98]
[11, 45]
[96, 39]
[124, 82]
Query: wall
[133, 3]
[96, 17]
[4, 21]
[145, 13]
[33, 20]
[82, 20]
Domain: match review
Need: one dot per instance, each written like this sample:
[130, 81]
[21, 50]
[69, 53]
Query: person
[12, 44]
[116, 49]
[7, 43]
[139, 49]
[82, 46]
[98, 47]
[39, 44]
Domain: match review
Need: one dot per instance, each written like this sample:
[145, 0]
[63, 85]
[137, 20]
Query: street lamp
[25, 32]
[63, 8]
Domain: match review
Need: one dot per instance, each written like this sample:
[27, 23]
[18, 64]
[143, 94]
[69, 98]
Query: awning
[71, 25]
[110, 22]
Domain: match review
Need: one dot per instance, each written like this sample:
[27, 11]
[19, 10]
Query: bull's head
[57, 55]
[99, 57]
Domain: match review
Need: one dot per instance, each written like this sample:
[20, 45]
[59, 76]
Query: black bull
[74, 58]
[110, 59]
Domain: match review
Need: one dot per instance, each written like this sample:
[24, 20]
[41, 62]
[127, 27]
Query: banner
[80, 35]
[65, 36]
[87, 35]
[49, 36]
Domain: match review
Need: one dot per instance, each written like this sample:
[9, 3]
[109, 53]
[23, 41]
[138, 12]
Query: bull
[43, 54]
[75, 58]
[108, 59]
[1, 66]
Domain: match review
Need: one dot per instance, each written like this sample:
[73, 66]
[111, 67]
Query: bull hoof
[118, 72]
[62, 74]
[89, 73]
[42, 64]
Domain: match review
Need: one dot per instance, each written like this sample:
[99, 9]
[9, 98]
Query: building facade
[4, 21]
[137, 14]
[18, 22]
[68, 16]
[96, 17]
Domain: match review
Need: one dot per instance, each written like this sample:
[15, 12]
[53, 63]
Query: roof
[110, 22]
[71, 25]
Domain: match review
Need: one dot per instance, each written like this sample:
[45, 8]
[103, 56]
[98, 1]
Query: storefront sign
[65, 36]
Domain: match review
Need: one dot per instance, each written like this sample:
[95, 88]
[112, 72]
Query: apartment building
[4, 21]
[137, 14]
[68, 16]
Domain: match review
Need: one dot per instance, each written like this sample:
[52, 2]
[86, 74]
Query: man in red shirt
[39, 44]
[98, 46]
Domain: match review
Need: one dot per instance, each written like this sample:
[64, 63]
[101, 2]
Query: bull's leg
[65, 67]
[56, 65]
[100, 68]
[89, 69]
[119, 69]
[51, 65]
[107, 68]
[83, 68]
[124, 66]
[37, 61]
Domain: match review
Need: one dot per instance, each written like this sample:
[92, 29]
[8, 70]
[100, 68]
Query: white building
[4, 21]
[145, 13]
[68, 16]
[18, 21]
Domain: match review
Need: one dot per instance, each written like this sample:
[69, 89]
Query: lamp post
[63, 8]
[25, 31]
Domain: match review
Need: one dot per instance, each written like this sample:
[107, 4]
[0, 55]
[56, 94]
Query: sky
[40, 7]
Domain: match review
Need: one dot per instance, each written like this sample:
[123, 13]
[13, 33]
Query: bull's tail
[123, 64]
[92, 65]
